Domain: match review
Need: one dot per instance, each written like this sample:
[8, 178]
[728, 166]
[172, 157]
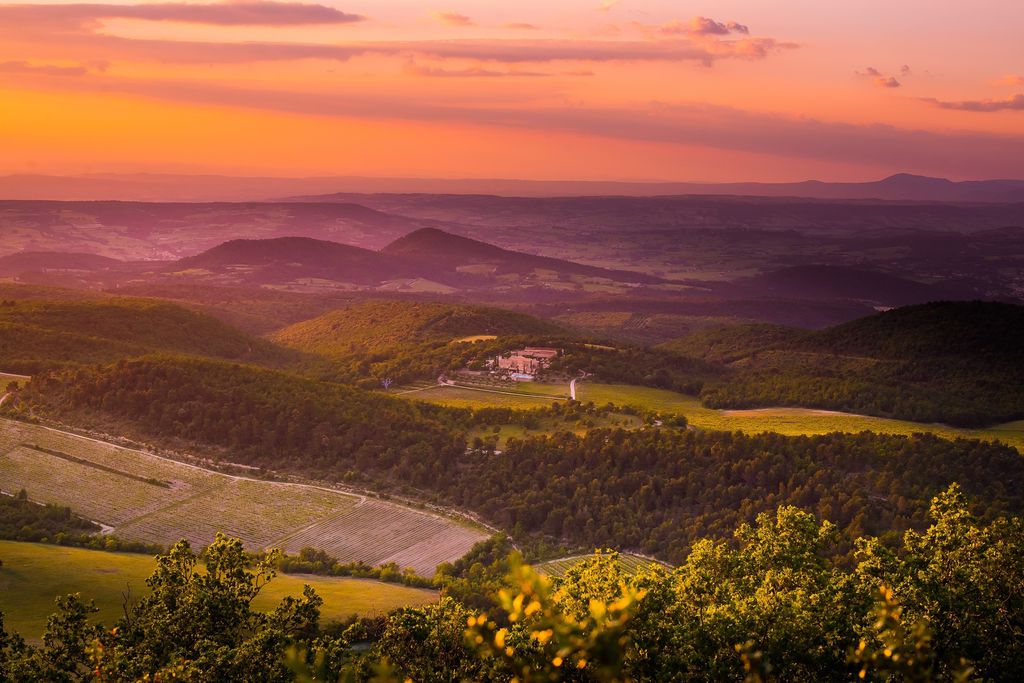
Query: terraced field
[146, 497]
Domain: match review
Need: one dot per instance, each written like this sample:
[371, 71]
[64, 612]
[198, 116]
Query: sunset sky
[582, 89]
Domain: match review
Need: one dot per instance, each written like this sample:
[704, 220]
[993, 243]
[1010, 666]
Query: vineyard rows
[388, 534]
[198, 503]
[630, 564]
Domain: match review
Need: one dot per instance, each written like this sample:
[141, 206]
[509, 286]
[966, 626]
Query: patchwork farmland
[142, 496]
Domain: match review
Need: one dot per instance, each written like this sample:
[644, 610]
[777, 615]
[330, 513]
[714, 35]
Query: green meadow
[789, 421]
[34, 574]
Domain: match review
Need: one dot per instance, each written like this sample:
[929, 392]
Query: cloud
[23, 67]
[1014, 103]
[69, 33]
[242, 13]
[522, 26]
[453, 19]
[958, 153]
[84, 46]
[607, 5]
[882, 80]
[1011, 80]
[702, 26]
[472, 72]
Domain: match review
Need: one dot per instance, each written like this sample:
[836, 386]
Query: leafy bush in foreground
[767, 605]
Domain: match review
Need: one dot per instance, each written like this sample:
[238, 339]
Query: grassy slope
[384, 325]
[788, 421]
[34, 574]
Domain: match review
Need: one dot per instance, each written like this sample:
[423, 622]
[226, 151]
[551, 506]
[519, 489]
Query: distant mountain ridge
[898, 187]
[288, 258]
[427, 254]
[193, 188]
[435, 248]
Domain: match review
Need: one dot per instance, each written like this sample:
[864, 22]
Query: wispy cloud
[71, 33]
[453, 18]
[1011, 80]
[607, 5]
[242, 13]
[522, 26]
[83, 47]
[23, 67]
[1014, 103]
[472, 72]
[883, 80]
[702, 26]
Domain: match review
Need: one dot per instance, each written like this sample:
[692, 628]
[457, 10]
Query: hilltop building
[524, 364]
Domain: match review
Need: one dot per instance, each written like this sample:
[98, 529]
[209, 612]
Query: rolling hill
[378, 326]
[960, 363]
[290, 259]
[44, 333]
[27, 261]
[439, 251]
[179, 187]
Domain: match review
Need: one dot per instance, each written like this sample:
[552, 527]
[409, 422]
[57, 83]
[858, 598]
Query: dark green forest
[656, 490]
[961, 363]
[23, 520]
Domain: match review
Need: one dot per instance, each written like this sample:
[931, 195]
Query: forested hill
[377, 326]
[438, 252]
[262, 417]
[960, 363]
[409, 340]
[970, 331]
[652, 490]
[35, 334]
[285, 259]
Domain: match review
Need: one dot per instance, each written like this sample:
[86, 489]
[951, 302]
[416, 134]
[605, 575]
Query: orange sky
[652, 90]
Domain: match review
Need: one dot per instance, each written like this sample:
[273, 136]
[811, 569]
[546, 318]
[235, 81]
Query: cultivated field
[465, 397]
[631, 564]
[34, 574]
[145, 497]
[790, 421]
